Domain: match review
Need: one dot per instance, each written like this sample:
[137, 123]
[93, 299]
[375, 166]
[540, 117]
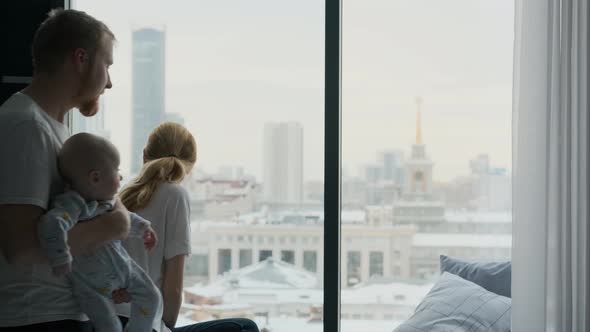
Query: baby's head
[90, 165]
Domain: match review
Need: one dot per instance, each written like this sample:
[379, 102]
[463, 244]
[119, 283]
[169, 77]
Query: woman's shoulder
[167, 194]
[172, 190]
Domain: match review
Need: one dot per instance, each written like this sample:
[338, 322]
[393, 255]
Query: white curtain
[550, 285]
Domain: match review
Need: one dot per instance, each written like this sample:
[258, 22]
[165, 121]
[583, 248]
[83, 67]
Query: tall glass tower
[148, 67]
[283, 163]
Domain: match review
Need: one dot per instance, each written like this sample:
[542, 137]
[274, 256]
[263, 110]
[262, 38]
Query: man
[72, 53]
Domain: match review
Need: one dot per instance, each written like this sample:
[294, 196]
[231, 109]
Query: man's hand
[121, 296]
[150, 239]
[123, 222]
[88, 236]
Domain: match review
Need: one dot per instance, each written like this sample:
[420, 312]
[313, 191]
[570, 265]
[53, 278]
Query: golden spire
[418, 121]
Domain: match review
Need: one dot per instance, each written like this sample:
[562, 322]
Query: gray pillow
[455, 304]
[493, 276]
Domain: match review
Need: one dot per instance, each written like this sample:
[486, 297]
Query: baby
[90, 166]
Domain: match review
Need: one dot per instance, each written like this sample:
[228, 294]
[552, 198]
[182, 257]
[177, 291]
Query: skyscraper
[283, 162]
[148, 59]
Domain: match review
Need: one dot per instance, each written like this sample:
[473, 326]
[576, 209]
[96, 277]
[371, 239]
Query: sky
[232, 65]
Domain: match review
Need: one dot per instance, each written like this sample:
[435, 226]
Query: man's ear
[94, 175]
[80, 59]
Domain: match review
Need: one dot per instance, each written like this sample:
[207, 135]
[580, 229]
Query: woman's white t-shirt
[169, 213]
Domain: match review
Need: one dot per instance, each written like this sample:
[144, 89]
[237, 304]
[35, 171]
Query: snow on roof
[236, 191]
[252, 217]
[211, 290]
[278, 282]
[224, 306]
[275, 296]
[395, 293]
[268, 274]
[462, 240]
[479, 216]
[418, 203]
[378, 207]
[237, 297]
[272, 273]
[347, 216]
[223, 199]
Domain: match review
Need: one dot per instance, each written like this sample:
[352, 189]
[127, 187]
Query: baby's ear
[94, 175]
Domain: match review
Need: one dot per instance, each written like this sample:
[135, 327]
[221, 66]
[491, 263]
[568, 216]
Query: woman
[156, 195]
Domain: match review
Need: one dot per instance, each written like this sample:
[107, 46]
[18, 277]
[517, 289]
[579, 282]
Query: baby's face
[109, 183]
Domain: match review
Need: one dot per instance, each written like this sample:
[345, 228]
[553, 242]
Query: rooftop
[462, 240]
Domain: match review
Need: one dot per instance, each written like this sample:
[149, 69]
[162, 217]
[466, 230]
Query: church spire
[418, 121]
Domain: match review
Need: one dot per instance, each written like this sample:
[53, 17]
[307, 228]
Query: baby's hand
[149, 238]
[121, 296]
[61, 270]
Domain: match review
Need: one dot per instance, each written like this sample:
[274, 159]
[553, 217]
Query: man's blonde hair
[170, 154]
[63, 32]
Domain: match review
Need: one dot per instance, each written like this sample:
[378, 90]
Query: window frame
[332, 160]
[332, 164]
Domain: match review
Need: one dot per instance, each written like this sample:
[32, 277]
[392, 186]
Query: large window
[376, 263]
[426, 147]
[223, 261]
[288, 256]
[353, 268]
[426, 151]
[247, 79]
[310, 260]
[264, 254]
[245, 257]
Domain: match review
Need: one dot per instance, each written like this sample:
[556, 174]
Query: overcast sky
[232, 65]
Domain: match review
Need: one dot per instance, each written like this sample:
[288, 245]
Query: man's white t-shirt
[169, 213]
[29, 142]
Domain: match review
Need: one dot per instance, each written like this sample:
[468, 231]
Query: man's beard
[89, 108]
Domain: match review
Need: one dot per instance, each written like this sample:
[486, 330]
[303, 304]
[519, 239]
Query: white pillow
[455, 304]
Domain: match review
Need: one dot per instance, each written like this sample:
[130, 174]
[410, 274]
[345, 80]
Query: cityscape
[258, 245]
[257, 236]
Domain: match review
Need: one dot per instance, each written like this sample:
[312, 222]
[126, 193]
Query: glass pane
[310, 260]
[376, 263]
[247, 79]
[245, 257]
[426, 140]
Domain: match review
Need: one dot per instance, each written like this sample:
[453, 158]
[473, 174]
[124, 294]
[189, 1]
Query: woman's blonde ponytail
[170, 154]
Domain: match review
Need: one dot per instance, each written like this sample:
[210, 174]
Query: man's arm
[90, 235]
[19, 237]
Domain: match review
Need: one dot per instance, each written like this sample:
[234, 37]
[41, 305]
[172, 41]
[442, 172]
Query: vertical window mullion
[332, 166]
